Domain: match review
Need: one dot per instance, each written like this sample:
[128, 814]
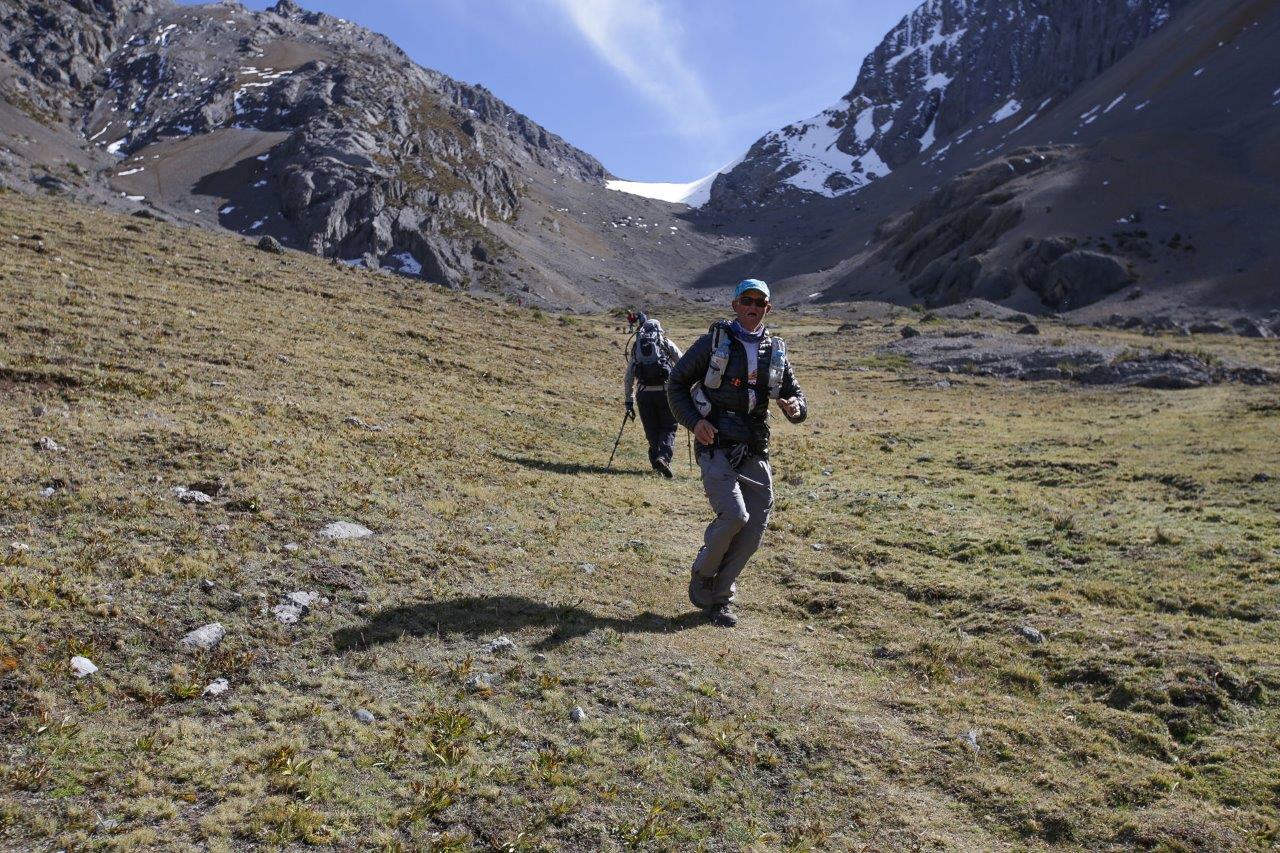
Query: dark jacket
[730, 413]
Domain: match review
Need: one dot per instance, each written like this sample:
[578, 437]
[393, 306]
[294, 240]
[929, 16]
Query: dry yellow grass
[1129, 526]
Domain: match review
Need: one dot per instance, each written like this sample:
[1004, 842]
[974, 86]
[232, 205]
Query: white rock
[588, 568]
[216, 687]
[19, 547]
[1031, 635]
[291, 546]
[48, 492]
[970, 739]
[288, 614]
[482, 681]
[305, 599]
[345, 530]
[364, 716]
[191, 496]
[80, 667]
[48, 445]
[577, 714]
[205, 637]
[501, 646]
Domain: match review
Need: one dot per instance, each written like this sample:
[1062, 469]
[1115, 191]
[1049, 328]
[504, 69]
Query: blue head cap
[641, 319]
[751, 284]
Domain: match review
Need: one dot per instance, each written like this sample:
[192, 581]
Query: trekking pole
[690, 437]
[617, 440]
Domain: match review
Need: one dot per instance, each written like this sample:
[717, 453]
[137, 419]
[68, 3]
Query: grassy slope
[916, 529]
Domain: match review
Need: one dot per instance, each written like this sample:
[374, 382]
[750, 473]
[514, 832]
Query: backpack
[649, 356]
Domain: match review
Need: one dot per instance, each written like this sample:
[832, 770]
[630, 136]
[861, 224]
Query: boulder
[270, 244]
[82, 667]
[345, 530]
[205, 637]
[1080, 277]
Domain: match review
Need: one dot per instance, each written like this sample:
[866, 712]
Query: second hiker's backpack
[652, 365]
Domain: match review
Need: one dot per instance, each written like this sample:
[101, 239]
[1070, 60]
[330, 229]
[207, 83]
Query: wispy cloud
[642, 42]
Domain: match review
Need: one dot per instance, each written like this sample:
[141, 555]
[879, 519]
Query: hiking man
[649, 363]
[720, 390]
[631, 322]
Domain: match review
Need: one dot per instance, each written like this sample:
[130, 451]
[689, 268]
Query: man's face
[750, 308]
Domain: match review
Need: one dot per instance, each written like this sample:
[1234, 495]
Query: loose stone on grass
[577, 714]
[295, 606]
[501, 646]
[345, 530]
[216, 687]
[82, 666]
[364, 715]
[48, 445]
[970, 739]
[191, 496]
[288, 614]
[482, 682]
[1031, 635]
[205, 637]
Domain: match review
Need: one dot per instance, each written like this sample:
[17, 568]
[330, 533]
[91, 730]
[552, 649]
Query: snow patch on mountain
[694, 193]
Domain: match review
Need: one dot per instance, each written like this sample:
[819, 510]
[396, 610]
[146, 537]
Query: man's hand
[790, 406]
[705, 432]
[631, 409]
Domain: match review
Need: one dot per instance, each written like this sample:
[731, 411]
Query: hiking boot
[724, 616]
[663, 467]
[700, 590]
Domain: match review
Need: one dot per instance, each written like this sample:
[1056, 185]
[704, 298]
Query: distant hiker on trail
[631, 322]
[720, 390]
[649, 363]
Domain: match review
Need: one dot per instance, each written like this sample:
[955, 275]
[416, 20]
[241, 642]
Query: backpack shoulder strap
[720, 343]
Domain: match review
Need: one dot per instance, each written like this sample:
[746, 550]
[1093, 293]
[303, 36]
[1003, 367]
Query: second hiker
[649, 363]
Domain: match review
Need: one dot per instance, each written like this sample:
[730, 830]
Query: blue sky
[658, 90]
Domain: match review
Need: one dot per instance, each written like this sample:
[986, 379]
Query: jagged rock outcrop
[367, 155]
[947, 64]
[61, 47]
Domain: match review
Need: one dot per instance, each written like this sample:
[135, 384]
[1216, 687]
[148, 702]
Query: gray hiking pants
[742, 498]
[659, 423]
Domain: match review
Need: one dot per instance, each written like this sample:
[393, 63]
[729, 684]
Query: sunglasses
[759, 302]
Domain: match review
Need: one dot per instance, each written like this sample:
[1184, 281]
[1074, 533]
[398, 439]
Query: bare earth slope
[888, 687]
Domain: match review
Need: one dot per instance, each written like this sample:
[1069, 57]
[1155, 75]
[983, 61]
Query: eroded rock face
[944, 66]
[370, 155]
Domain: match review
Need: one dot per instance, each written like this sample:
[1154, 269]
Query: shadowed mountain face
[1139, 180]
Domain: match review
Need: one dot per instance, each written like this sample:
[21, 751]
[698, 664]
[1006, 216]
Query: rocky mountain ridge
[943, 66]
[317, 132]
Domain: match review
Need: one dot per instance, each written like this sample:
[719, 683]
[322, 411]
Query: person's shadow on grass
[485, 616]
